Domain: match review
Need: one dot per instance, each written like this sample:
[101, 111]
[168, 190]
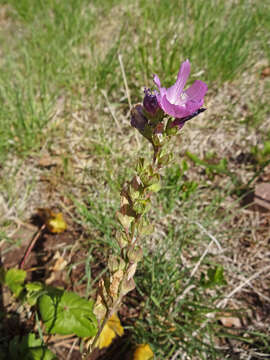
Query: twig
[71, 349]
[31, 245]
[186, 291]
[178, 352]
[201, 259]
[208, 234]
[127, 92]
[223, 302]
[125, 80]
[111, 110]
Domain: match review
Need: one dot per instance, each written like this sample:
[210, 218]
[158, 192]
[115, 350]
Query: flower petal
[192, 106]
[177, 111]
[174, 92]
[157, 81]
[196, 91]
[162, 90]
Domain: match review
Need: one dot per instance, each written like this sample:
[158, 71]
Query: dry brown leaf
[230, 321]
[49, 161]
[115, 280]
[265, 72]
[60, 262]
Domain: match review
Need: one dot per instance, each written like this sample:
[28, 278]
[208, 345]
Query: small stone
[262, 195]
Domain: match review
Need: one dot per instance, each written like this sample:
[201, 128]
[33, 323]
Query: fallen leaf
[265, 72]
[230, 321]
[48, 161]
[111, 329]
[60, 262]
[56, 224]
[54, 221]
[143, 352]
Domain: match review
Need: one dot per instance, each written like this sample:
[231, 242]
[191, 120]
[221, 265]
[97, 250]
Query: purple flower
[150, 102]
[175, 101]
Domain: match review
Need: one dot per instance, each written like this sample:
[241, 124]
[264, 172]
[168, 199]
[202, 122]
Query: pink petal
[162, 90]
[157, 81]
[159, 98]
[175, 91]
[196, 91]
[193, 106]
[177, 111]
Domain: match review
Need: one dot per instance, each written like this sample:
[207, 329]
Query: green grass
[170, 321]
[48, 64]
[215, 36]
[60, 53]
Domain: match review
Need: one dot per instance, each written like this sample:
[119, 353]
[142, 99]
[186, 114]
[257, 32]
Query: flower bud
[150, 102]
[138, 120]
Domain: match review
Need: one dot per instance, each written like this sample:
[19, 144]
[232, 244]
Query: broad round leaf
[67, 313]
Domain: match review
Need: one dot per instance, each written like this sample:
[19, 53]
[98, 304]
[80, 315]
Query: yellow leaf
[56, 223]
[112, 328]
[143, 352]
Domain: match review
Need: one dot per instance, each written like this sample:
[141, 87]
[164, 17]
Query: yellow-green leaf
[112, 328]
[56, 223]
[143, 352]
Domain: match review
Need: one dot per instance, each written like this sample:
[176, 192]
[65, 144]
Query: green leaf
[140, 165]
[266, 148]
[155, 178]
[216, 276]
[34, 291]
[67, 313]
[154, 187]
[124, 220]
[144, 228]
[34, 286]
[165, 160]
[14, 279]
[134, 194]
[142, 206]
[29, 348]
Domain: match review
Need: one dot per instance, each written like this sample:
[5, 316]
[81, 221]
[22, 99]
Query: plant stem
[109, 313]
[31, 245]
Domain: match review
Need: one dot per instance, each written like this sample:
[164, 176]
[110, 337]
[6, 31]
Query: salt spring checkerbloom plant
[158, 119]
